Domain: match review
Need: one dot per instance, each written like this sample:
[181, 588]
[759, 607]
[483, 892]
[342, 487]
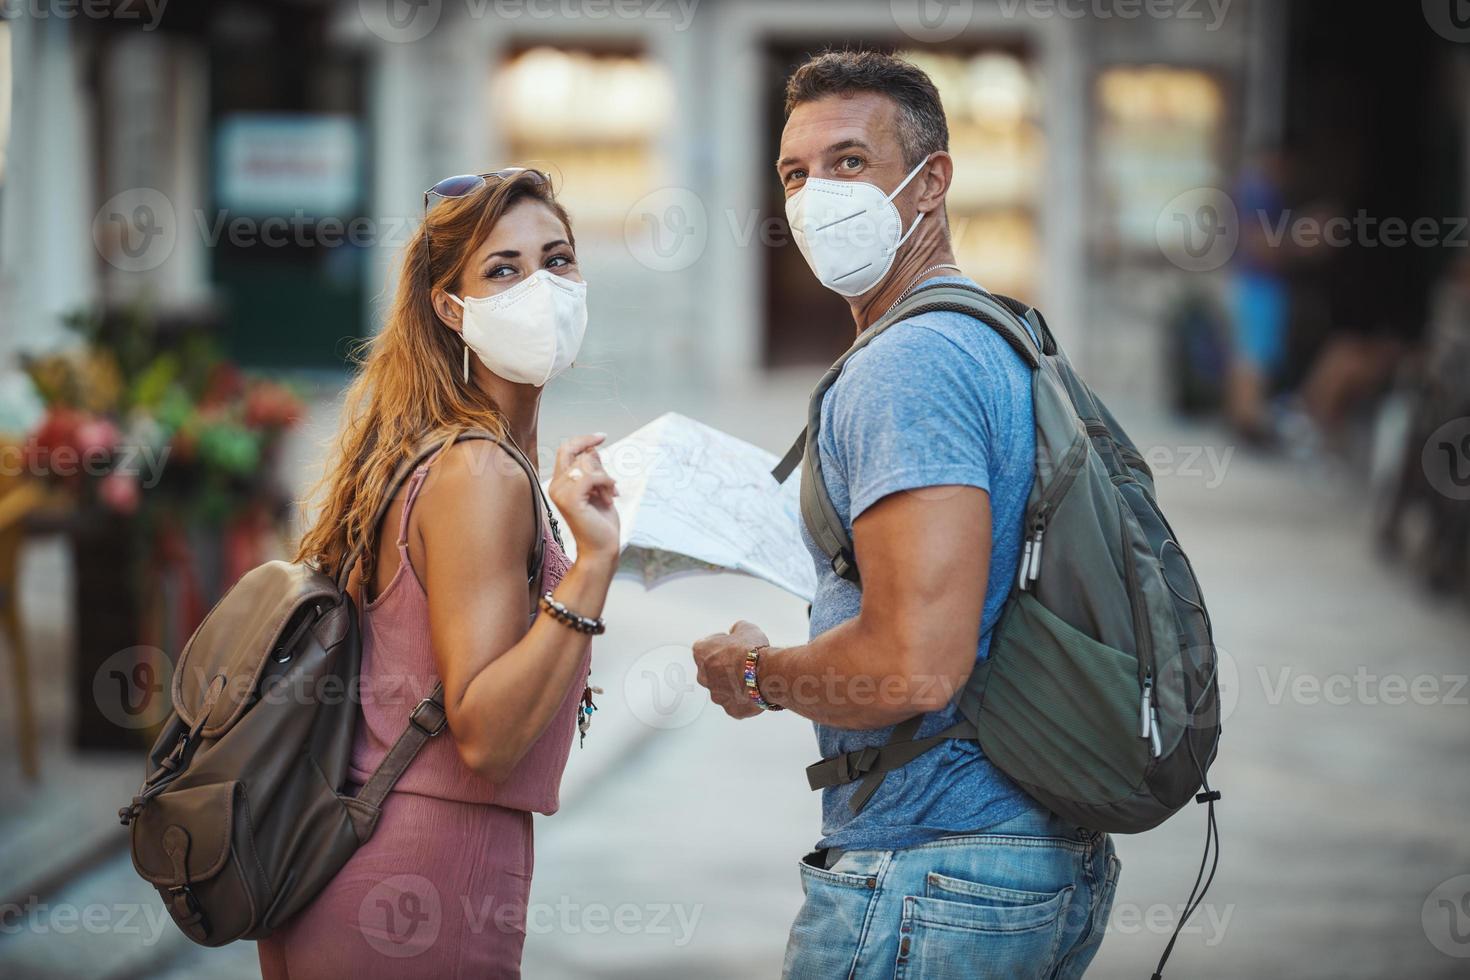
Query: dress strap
[415, 484]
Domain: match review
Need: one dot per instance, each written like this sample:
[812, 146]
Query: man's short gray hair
[922, 128]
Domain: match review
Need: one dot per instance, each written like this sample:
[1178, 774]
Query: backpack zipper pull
[1156, 740]
[1145, 708]
[1031, 557]
[1035, 572]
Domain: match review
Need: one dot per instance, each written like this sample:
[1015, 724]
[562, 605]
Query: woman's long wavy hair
[409, 386]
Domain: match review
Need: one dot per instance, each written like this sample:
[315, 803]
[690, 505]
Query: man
[927, 449]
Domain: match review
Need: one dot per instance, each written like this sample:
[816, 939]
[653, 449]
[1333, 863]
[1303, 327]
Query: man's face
[844, 137]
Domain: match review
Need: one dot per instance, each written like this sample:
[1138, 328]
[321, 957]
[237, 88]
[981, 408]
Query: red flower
[269, 405]
[119, 491]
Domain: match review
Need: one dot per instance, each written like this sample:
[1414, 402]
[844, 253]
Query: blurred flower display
[162, 457]
[134, 419]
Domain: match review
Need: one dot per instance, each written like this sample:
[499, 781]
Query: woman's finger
[574, 447]
[589, 459]
[578, 484]
[594, 485]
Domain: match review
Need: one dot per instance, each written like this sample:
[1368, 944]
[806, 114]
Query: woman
[440, 889]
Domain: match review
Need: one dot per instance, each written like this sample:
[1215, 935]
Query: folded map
[695, 499]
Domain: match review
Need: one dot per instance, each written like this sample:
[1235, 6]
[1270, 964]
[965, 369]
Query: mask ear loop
[899, 190]
[461, 338]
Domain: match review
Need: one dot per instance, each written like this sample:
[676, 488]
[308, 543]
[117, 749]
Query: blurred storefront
[280, 150]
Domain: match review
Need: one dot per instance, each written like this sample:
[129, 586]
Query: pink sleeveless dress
[440, 889]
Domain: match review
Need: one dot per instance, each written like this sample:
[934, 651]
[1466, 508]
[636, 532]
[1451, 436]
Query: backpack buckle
[187, 912]
[856, 765]
[844, 564]
[436, 724]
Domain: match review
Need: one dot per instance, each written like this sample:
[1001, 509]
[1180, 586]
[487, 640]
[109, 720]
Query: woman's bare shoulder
[477, 483]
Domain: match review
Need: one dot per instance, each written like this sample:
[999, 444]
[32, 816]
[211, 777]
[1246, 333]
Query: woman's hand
[583, 492]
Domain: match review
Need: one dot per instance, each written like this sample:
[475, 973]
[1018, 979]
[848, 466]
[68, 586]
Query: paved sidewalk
[675, 855]
[1344, 798]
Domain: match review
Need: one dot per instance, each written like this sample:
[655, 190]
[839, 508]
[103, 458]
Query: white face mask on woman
[531, 332]
[849, 230]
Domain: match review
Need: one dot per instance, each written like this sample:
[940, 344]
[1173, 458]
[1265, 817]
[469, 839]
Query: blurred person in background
[1262, 298]
[1422, 450]
[1384, 152]
[490, 306]
[937, 524]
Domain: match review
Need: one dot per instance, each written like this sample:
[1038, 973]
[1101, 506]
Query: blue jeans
[1027, 899]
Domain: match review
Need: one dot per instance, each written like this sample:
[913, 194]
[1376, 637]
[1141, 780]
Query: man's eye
[851, 163]
[795, 175]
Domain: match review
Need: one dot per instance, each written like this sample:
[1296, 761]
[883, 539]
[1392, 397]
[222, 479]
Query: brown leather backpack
[245, 812]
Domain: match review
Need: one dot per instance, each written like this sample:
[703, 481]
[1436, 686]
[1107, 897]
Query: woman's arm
[503, 684]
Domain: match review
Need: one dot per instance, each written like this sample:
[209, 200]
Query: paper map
[694, 499]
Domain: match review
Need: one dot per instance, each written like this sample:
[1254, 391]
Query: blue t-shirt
[937, 400]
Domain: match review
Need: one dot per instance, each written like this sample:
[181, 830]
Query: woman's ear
[450, 313]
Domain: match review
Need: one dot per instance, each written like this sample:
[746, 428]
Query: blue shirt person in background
[927, 448]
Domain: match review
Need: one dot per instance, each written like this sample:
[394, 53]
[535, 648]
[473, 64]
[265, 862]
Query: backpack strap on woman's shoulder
[429, 451]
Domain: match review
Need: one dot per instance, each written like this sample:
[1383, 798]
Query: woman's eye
[558, 261]
[501, 271]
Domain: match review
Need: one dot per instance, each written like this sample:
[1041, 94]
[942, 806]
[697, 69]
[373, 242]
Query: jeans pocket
[1075, 961]
[965, 930]
[832, 924]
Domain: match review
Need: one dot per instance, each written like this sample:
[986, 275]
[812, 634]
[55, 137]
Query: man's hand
[720, 664]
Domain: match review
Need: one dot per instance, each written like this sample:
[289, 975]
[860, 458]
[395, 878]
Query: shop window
[992, 102]
[1159, 135]
[592, 118]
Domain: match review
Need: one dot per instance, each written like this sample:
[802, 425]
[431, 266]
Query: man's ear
[450, 313]
[934, 181]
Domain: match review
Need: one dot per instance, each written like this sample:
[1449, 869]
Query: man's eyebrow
[840, 145]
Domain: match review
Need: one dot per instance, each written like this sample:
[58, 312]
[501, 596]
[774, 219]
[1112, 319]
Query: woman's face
[528, 237]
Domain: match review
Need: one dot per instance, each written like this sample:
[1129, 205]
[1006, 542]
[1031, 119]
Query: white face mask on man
[530, 333]
[849, 230]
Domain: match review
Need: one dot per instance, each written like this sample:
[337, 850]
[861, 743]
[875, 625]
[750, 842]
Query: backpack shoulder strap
[425, 452]
[1024, 329]
[429, 717]
[1009, 318]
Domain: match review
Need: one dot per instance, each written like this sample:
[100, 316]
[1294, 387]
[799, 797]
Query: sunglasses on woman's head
[463, 185]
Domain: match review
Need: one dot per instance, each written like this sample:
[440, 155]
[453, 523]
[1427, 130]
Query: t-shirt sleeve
[907, 413]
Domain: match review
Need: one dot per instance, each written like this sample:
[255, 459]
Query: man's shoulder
[936, 348]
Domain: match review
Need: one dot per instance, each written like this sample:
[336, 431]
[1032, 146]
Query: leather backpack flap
[184, 835]
[238, 637]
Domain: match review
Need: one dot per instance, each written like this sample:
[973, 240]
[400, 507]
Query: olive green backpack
[1099, 695]
[246, 811]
